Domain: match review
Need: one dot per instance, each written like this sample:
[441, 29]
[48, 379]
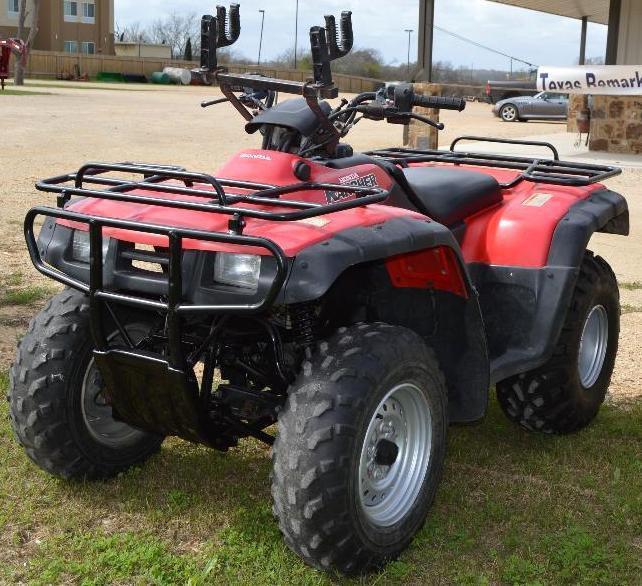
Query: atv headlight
[238, 270]
[80, 246]
[80, 251]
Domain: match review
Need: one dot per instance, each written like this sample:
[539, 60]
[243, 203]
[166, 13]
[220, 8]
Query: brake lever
[425, 120]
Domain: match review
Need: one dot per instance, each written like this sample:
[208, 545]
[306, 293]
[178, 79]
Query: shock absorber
[303, 319]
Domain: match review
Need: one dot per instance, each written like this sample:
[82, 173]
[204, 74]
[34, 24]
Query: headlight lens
[238, 270]
[80, 246]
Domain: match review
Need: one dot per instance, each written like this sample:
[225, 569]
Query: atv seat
[449, 195]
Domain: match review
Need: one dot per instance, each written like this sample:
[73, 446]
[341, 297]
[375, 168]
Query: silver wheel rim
[97, 413]
[389, 489]
[593, 344]
[509, 113]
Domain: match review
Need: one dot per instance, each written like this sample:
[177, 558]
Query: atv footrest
[146, 392]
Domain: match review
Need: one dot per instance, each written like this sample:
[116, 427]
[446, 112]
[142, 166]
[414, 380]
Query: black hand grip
[373, 111]
[229, 29]
[437, 102]
[339, 46]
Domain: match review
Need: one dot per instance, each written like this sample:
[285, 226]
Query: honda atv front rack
[549, 171]
[93, 181]
[155, 180]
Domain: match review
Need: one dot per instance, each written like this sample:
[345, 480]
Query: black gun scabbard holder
[147, 393]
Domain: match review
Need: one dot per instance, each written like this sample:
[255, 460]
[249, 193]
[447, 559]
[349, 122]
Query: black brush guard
[157, 393]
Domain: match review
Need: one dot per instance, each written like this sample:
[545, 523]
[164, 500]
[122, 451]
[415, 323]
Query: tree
[188, 50]
[175, 30]
[21, 63]
[131, 33]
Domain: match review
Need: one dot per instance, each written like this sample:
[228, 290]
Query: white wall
[630, 44]
[11, 18]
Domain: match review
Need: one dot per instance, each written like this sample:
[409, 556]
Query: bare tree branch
[132, 33]
[174, 30]
[21, 64]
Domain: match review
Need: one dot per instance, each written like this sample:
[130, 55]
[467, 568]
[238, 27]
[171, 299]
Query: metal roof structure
[596, 10]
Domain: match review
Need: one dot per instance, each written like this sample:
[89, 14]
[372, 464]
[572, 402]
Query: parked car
[543, 106]
[497, 91]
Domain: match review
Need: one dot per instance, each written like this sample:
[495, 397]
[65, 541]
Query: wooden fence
[46, 64]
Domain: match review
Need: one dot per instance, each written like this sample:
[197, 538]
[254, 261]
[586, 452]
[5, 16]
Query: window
[71, 10]
[14, 7]
[71, 47]
[88, 48]
[88, 12]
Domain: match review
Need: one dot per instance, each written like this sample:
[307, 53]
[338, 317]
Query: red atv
[362, 302]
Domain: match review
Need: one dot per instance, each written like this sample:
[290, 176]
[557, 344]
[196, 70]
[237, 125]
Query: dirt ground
[60, 127]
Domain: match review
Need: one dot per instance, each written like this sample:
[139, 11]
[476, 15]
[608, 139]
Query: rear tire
[566, 393]
[360, 448]
[55, 401]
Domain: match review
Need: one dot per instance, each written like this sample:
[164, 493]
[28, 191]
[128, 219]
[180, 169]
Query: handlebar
[437, 102]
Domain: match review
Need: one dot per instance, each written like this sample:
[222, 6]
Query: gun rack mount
[327, 45]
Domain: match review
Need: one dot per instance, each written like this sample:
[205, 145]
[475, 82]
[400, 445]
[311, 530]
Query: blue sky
[538, 38]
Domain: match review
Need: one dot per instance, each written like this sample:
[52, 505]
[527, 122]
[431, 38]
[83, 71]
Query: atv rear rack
[550, 171]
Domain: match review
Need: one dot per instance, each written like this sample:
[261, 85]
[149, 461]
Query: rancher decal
[588, 79]
[354, 180]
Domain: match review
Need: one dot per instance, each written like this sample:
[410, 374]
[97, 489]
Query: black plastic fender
[450, 324]
[604, 211]
[316, 268]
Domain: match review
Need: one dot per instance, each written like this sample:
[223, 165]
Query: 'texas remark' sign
[588, 79]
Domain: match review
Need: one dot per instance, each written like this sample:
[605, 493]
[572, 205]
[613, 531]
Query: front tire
[565, 394]
[55, 399]
[360, 448]
[509, 113]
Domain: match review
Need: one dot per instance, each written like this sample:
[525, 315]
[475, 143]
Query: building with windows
[72, 26]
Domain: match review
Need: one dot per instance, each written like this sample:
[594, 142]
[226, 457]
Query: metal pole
[258, 62]
[583, 40]
[426, 34]
[409, 31]
[296, 34]
[612, 41]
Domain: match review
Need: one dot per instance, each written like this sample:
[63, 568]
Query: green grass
[513, 508]
[12, 92]
[626, 308]
[13, 291]
[25, 296]
[631, 286]
[104, 85]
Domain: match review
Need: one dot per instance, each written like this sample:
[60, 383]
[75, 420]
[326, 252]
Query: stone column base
[576, 103]
[418, 135]
[616, 124]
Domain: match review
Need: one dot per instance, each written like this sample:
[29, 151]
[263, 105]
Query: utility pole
[296, 34]
[409, 31]
[258, 61]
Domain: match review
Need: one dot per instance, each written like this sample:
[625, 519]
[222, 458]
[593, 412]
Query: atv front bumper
[184, 287]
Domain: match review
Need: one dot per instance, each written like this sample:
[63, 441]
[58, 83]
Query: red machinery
[8, 46]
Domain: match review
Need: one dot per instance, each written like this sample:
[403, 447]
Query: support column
[418, 135]
[615, 12]
[426, 34]
[583, 40]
